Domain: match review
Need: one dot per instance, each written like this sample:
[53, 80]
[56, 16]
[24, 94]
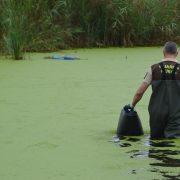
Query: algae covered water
[58, 118]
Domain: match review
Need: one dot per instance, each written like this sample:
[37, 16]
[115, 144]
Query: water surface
[57, 118]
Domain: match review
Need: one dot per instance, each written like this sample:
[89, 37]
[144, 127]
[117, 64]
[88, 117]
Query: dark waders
[164, 106]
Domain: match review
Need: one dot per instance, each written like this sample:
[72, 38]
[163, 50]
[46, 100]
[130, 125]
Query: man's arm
[140, 92]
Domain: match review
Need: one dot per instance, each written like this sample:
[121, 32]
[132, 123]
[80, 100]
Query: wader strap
[174, 72]
[163, 75]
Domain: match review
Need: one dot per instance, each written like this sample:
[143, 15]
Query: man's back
[164, 106]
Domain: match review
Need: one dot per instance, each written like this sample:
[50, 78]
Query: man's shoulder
[156, 65]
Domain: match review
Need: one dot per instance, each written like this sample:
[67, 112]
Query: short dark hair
[170, 48]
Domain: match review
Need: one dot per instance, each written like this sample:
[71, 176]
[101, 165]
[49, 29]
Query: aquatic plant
[14, 22]
[46, 25]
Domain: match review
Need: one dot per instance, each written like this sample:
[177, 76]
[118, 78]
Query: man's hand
[128, 108]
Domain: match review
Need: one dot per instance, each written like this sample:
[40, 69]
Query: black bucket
[129, 124]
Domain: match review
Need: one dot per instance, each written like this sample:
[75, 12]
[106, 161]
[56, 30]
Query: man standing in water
[164, 105]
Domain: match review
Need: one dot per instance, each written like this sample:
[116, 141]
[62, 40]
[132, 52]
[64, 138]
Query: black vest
[164, 106]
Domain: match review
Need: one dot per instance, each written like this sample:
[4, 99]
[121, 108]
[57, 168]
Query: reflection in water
[117, 139]
[162, 156]
[162, 143]
[163, 151]
[124, 144]
[166, 174]
[133, 139]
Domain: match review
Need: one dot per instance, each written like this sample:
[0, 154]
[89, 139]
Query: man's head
[170, 50]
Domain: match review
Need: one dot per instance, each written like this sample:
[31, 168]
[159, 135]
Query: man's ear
[164, 53]
[176, 54]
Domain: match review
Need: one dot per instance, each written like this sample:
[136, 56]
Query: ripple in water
[164, 152]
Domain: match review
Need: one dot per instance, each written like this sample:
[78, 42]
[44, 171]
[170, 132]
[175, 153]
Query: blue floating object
[66, 57]
[57, 57]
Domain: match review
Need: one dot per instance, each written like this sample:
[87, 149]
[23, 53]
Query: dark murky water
[161, 154]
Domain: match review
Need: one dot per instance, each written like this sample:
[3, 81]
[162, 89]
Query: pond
[58, 118]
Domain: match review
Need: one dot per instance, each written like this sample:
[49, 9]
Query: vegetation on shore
[46, 25]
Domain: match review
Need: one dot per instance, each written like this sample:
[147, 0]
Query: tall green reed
[48, 25]
[14, 21]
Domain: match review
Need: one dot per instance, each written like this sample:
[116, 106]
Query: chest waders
[164, 106]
